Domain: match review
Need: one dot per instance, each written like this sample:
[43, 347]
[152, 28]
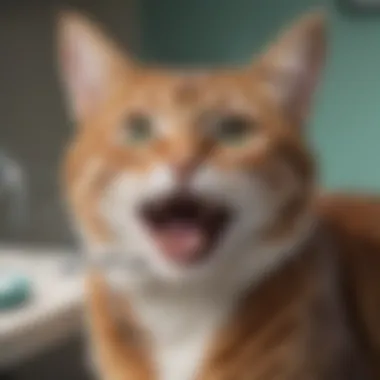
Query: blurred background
[344, 132]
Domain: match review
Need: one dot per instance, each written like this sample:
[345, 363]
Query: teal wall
[345, 129]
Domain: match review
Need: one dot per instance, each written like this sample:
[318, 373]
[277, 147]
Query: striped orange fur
[232, 266]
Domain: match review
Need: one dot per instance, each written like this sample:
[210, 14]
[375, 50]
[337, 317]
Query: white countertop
[52, 315]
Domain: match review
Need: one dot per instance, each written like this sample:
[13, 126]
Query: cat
[230, 264]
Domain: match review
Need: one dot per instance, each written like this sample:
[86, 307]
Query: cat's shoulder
[353, 222]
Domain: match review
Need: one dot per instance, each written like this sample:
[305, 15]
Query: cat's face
[190, 173]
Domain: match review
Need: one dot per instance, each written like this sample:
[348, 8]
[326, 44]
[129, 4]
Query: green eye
[138, 129]
[232, 129]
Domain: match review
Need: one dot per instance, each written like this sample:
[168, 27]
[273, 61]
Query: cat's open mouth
[185, 227]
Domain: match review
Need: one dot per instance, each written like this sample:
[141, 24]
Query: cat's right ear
[90, 64]
[292, 66]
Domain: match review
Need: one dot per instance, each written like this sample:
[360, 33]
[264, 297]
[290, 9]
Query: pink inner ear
[83, 76]
[308, 81]
[293, 64]
[294, 79]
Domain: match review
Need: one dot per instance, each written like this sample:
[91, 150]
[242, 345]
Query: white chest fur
[182, 326]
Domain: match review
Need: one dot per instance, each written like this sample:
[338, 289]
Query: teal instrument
[15, 290]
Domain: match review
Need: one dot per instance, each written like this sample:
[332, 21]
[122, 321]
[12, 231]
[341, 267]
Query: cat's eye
[232, 129]
[138, 129]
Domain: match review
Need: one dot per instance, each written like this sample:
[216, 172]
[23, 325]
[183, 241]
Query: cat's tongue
[180, 242]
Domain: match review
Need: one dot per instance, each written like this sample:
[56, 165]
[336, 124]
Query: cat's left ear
[91, 64]
[291, 66]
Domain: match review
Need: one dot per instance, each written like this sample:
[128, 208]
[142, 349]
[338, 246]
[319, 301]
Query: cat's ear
[90, 64]
[291, 66]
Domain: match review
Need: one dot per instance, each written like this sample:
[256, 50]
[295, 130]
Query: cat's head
[192, 173]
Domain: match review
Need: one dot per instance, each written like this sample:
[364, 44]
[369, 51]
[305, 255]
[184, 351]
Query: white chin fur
[235, 256]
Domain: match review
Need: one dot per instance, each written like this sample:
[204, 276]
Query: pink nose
[184, 169]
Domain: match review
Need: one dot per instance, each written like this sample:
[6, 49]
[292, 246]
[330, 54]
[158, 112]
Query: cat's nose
[184, 168]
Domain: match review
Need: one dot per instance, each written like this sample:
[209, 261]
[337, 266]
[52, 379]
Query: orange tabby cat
[202, 187]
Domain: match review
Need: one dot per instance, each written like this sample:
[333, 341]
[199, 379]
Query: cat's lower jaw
[230, 269]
